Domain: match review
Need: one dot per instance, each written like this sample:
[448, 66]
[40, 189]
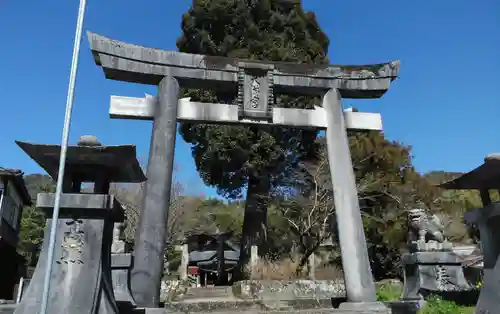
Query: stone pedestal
[433, 272]
[81, 277]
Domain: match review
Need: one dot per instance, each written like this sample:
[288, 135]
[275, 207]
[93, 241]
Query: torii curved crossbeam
[132, 63]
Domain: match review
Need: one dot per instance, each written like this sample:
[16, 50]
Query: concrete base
[404, 307]
[149, 311]
[368, 307]
[260, 311]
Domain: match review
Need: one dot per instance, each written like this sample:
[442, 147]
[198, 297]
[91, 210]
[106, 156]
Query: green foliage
[280, 239]
[458, 202]
[436, 305]
[33, 220]
[31, 233]
[388, 292]
[224, 216]
[388, 186]
[234, 157]
[173, 257]
[211, 216]
[228, 156]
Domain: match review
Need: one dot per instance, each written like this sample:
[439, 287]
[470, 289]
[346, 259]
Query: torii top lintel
[137, 64]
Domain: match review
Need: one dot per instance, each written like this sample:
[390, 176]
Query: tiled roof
[16, 177]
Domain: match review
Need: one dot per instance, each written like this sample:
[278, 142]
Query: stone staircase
[277, 298]
[263, 311]
[207, 299]
[304, 311]
[222, 300]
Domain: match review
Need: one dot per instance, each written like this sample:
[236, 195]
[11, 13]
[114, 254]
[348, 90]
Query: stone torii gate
[255, 83]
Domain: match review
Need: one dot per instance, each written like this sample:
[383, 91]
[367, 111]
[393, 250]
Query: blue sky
[446, 103]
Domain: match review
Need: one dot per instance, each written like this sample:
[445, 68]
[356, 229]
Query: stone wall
[171, 289]
[289, 289]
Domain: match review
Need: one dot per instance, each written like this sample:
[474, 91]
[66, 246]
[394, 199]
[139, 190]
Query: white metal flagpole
[62, 160]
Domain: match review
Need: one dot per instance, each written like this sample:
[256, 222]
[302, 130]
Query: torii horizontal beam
[132, 63]
[188, 111]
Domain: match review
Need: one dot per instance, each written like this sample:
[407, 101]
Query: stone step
[261, 311]
[235, 304]
[309, 311]
[208, 293]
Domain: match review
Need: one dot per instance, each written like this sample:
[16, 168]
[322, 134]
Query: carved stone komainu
[425, 230]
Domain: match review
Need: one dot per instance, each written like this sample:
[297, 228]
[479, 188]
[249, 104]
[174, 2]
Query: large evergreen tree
[233, 158]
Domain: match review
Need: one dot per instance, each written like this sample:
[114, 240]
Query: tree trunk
[306, 252]
[254, 231]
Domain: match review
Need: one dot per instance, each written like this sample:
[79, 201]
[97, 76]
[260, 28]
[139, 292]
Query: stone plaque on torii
[254, 84]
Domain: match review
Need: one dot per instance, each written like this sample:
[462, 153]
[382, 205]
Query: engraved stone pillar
[151, 230]
[121, 265]
[222, 274]
[81, 277]
[312, 266]
[80, 281]
[254, 257]
[184, 261]
[359, 283]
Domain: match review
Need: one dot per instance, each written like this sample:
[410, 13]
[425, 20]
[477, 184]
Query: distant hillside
[35, 181]
[438, 177]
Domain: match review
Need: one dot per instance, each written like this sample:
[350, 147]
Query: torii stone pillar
[355, 263]
[255, 84]
[151, 231]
